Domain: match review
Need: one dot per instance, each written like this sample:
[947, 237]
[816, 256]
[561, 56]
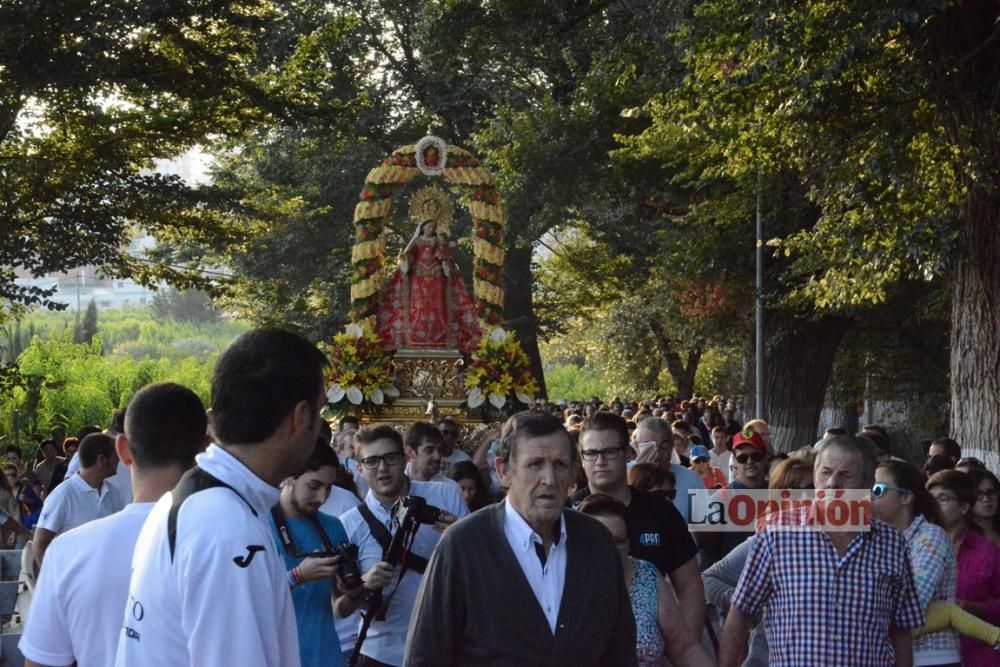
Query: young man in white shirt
[208, 585]
[76, 616]
[423, 443]
[450, 453]
[122, 481]
[379, 450]
[83, 497]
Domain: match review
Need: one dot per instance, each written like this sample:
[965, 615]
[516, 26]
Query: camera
[416, 509]
[350, 570]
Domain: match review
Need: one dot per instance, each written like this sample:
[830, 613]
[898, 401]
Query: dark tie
[540, 550]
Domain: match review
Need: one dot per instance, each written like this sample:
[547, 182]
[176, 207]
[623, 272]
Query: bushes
[73, 384]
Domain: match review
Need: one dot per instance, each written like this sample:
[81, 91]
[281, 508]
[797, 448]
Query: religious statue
[425, 304]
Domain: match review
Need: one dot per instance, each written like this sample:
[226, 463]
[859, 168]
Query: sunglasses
[881, 488]
[746, 457]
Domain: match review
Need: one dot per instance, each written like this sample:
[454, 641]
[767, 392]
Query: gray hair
[654, 424]
[850, 444]
[529, 424]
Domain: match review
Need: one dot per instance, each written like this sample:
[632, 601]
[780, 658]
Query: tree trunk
[681, 374]
[975, 333]
[519, 308]
[799, 362]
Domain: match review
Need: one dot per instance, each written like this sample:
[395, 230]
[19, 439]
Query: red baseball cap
[749, 438]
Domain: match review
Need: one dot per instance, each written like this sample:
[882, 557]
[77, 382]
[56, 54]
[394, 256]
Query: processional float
[420, 345]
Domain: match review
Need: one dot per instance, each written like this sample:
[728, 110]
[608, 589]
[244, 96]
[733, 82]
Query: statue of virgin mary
[425, 304]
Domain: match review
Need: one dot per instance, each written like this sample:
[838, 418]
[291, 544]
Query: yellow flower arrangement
[359, 368]
[499, 373]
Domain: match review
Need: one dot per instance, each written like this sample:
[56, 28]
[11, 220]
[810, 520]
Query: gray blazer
[475, 606]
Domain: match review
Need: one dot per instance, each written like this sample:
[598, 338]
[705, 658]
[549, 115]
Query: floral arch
[431, 156]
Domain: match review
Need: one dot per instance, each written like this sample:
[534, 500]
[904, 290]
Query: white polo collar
[525, 536]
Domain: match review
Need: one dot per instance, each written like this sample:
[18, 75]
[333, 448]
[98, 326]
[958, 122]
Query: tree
[184, 306]
[883, 120]
[87, 328]
[93, 93]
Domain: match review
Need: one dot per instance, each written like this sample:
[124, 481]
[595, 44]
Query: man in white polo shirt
[208, 585]
[84, 497]
[77, 616]
[379, 451]
[121, 481]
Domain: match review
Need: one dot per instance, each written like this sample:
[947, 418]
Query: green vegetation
[62, 382]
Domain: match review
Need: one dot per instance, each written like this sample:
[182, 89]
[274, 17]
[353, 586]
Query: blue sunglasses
[881, 488]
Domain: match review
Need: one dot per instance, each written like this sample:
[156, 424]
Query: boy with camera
[394, 508]
[317, 553]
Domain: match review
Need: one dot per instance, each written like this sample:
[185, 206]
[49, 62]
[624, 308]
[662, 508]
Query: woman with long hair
[984, 513]
[653, 606]
[471, 482]
[978, 589]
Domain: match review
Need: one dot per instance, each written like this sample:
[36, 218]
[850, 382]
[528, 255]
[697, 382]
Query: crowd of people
[258, 533]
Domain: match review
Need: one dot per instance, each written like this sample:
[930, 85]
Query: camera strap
[382, 535]
[285, 534]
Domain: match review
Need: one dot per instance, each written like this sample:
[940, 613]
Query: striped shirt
[826, 609]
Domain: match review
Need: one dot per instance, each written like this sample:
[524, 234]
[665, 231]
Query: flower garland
[499, 373]
[359, 369]
[479, 194]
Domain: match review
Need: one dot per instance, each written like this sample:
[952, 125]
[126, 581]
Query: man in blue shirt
[301, 529]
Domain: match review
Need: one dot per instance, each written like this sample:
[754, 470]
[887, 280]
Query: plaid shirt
[935, 575]
[824, 609]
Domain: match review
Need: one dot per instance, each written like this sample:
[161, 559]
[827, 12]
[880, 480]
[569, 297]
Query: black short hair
[259, 380]
[165, 426]
[369, 434]
[85, 431]
[323, 455]
[420, 431]
[117, 425]
[951, 448]
[93, 446]
[529, 424]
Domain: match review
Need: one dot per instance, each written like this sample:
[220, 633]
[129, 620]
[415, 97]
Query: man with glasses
[379, 451]
[657, 531]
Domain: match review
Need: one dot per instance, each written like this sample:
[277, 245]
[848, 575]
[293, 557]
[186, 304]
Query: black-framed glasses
[879, 489]
[989, 493]
[609, 454]
[746, 457]
[390, 459]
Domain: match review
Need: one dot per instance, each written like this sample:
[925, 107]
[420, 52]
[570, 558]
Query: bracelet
[295, 577]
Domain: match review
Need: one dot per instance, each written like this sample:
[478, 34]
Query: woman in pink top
[978, 589]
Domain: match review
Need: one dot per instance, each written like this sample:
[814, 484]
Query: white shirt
[340, 501]
[223, 599]
[387, 639]
[723, 461]
[121, 480]
[76, 617]
[546, 582]
[686, 480]
[455, 456]
[75, 502]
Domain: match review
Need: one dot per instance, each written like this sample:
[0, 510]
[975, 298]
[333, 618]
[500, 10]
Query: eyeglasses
[991, 493]
[944, 499]
[746, 457]
[609, 454]
[390, 459]
[881, 488]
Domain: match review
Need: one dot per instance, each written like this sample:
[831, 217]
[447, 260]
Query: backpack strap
[193, 481]
[382, 535]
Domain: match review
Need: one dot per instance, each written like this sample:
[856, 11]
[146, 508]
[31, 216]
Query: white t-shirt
[223, 598]
[121, 480]
[455, 456]
[74, 503]
[76, 609]
[387, 639]
[340, 501]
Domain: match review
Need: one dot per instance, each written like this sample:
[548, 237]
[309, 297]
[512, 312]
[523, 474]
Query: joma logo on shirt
[244, 561]
[649, 540]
